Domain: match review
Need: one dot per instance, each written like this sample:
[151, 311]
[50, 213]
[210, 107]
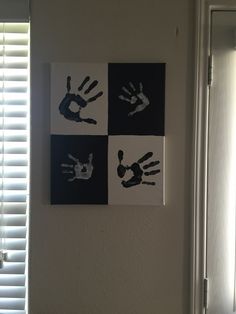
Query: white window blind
[14, 156]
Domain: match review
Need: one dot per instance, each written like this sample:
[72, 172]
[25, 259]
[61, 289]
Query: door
[221, 183]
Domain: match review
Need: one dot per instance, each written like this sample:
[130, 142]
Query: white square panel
[137, 178]
[93, 96]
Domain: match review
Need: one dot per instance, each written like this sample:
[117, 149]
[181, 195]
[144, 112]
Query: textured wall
[112, 259]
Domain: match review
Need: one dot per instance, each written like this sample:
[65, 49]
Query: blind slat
[13, 162]
[14, 220]
[14, 244]
[13, 268]
[14, 197]
[13, 88]
[12, 280]
[13, 114]
[9, 173]
[13, 27]
[16, 184]
[16, 256]
[15, 232]
[14, 148]
[13, 312]
[12, 304]
[16, 102]
[14, 208]
[12, 292]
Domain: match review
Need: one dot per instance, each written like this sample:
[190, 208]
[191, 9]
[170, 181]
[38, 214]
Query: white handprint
[79, 170]
[135, 97]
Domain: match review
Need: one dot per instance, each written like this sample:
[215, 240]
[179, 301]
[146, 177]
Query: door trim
[204, 9]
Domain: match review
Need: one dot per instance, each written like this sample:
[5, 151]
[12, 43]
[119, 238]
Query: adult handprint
[138, 171]
[80, 101]
[135, 97]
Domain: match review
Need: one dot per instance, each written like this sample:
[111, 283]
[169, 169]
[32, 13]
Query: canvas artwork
[107, 133]
[79, 94]
[79, 169]
[135, 168]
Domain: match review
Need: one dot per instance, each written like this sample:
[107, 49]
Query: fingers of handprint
[131, 94]
[148, 183]
[151, 173]
[145, 157]
[132, 113]
[125, 98]
[73, 158]
[90, 158]
[66, 166]
[120, 155]
[151, 164]
[91, 86]
[141, 87]
[126, 90]
[89, 120]
[121, 170]
[132, 86]
[88, 90]
[72, 179]
[68, 85]
[85, 81]
[67, 171]
[95, 97]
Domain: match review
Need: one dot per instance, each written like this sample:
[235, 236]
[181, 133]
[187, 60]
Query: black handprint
[137, 170]
[64, 106]
[135, 97]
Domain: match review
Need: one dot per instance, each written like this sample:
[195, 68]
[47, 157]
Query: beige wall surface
[112, 259]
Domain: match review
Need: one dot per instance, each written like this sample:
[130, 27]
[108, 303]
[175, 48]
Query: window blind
[14, 172]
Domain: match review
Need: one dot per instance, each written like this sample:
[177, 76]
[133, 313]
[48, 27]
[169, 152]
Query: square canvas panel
[107, 133]
[78, 169]
[136, 99]
[135, 170]
[79, 101]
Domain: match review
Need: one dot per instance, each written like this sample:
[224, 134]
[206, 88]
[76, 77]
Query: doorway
[221, 169]
[213, 289]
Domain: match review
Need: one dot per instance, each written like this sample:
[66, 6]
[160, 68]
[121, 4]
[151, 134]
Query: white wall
[112, 259]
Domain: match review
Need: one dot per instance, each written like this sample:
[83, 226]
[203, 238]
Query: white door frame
[200, 145]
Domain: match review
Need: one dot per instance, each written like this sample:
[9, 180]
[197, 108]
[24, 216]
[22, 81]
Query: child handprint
[79, 170]
[135, 97]
[80, 101]
[137, 170]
